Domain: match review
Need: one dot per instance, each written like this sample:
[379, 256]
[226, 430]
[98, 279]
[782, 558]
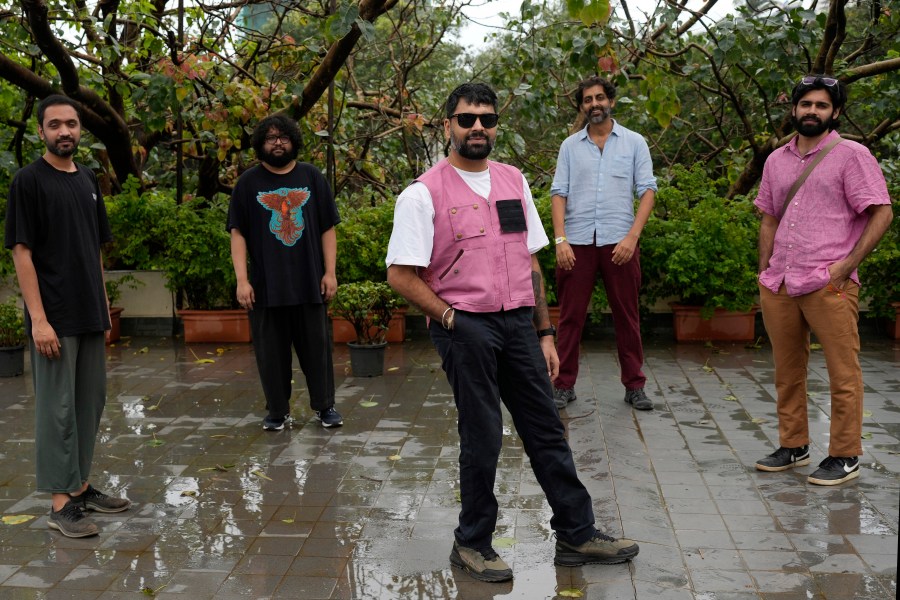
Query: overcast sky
[484, 15]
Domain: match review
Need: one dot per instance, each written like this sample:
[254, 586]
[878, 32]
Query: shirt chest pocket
[467, 221]
[623, 168]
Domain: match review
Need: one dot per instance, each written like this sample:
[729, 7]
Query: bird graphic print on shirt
[287, 217]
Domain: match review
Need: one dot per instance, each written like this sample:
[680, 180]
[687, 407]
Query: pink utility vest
[475, 266]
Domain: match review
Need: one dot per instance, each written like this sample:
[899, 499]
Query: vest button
[482, 230]
[475, 206]
[452, 211]
[455, 271]
[459, 236]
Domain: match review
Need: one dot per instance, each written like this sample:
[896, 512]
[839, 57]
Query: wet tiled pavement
[225, 510]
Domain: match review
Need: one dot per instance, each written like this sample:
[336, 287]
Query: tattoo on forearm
[541, 314]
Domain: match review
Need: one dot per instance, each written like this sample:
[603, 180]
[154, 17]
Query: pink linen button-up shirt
[826, 217]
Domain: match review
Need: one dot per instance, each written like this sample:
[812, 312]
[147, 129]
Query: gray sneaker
[483, 564]
[600, 550]
[92, 499]
[71, 522]
[562, 397]
[638, 399]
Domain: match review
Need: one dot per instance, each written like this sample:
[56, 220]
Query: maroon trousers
[622, 284]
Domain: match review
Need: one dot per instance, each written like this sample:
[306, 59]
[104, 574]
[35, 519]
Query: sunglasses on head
[466, 120]
[810, 80]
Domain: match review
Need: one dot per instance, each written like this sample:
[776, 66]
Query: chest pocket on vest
[511, 216]
[467, 221]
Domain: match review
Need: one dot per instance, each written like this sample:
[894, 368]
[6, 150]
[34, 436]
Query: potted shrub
[369, 307]
[702, 250]
[878, 275]
[197, 263]
[113, 293]
[12, 339]
[362, 238]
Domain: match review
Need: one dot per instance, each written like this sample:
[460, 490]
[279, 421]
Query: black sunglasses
[810, 80]
[466, 120]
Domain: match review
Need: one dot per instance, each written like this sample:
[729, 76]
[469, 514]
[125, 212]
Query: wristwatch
[545, 332]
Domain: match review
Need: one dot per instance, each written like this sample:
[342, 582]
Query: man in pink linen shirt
[808, 255]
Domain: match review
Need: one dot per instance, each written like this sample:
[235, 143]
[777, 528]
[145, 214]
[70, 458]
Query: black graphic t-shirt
[282, 217]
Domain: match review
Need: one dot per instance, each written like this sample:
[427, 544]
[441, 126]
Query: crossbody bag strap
[809, 168]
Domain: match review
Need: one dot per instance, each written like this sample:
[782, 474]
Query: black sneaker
[785, 458]
[92, 499]
[638, 399]
[275, 423]
[562, 397]
[71, 522]
[483, 564]
[600, 550]
[834, 470]
[329, 417]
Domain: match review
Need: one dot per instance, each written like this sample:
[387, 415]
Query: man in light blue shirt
[601, 169]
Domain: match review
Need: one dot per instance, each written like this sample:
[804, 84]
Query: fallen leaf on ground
[16, 519]
[260, 474]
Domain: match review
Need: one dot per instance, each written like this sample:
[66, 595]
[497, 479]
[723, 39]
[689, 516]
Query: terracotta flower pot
[225, 326]
[115, 318]
[893, 328]
[724, 326]
[342, 331]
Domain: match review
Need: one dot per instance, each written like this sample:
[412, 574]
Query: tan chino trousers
[832, 315]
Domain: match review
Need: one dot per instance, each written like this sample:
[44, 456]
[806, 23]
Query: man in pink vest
[463, 251]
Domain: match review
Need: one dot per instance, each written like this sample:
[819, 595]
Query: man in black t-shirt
[282, 219]
[55, 224]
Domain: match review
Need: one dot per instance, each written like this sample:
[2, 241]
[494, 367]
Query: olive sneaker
[599, 550]
[71, 521]
[785, 458]
[834, 470]
[562, 397]
[91, 499]
[483, 564]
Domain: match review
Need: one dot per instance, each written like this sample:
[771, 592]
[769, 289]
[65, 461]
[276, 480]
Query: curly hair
[280, 123]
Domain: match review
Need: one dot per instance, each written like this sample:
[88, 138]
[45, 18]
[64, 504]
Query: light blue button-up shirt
[600, 188]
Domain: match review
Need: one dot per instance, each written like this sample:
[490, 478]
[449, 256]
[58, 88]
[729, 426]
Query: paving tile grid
[223, 509]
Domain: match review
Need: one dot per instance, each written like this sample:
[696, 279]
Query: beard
[472, 153]
[811, 126]
[53, 147]
[599, 117]
[277, 159]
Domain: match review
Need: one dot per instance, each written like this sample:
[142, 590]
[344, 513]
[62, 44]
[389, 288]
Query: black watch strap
[545, 332]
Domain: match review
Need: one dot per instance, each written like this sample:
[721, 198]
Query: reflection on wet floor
[223, 509]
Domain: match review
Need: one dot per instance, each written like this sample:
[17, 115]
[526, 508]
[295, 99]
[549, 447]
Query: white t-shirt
[413, 236]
